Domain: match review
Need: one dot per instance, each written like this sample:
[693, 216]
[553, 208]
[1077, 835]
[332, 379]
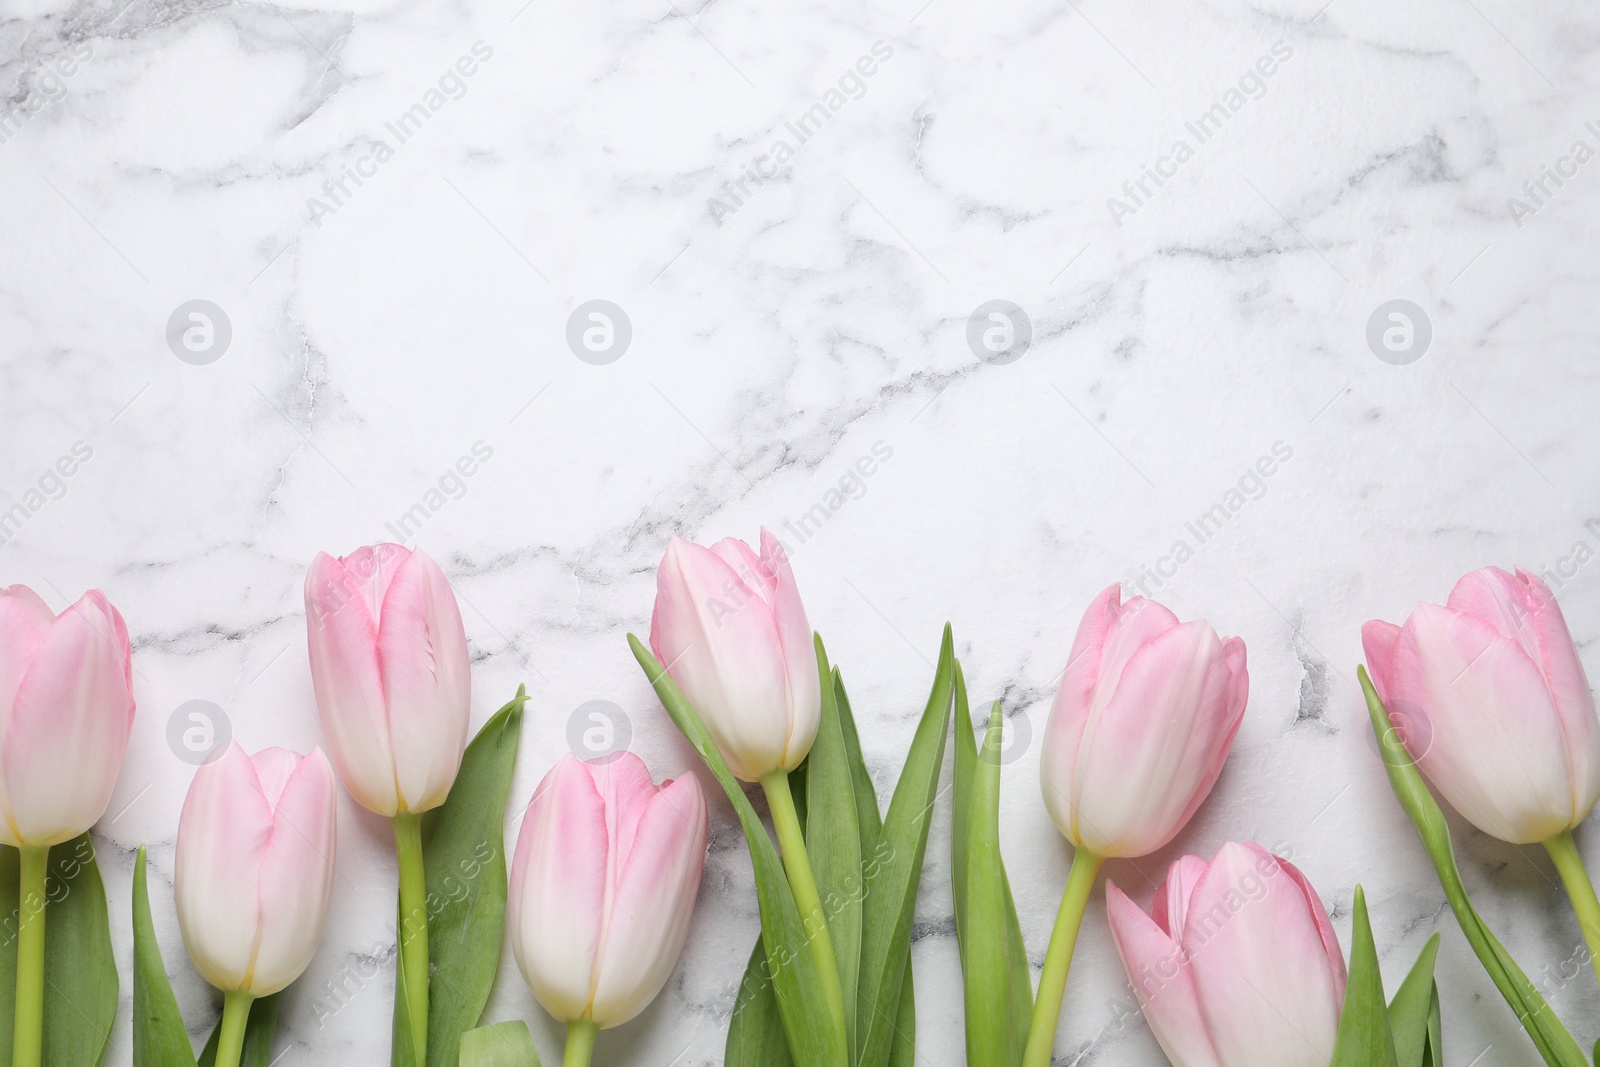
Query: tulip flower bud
[1236, 965]
[66, 709]
[389, 666]
[254, 867]
[1147, 710]
[731, 631]
[603, 884]
[1489, 697]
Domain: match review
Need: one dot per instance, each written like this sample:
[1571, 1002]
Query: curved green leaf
[159, 1036]
[893, 871]
[1550, 1037]
[501, 1045]
[755, 1033]
[999, 986]
[833, 838]
[1408, 1011]
[814, 1041]
[1364, 1037]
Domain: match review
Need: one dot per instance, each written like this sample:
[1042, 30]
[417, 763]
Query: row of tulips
[1235, 963]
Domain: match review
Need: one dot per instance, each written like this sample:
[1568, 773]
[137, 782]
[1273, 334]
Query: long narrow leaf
[999, 988]
[813, 1039]
[1364, 1038]
[1408, 1011]
[833, 838]
[159, 1036]
[894, 871]
[1550, 1037]
[1434, 1054]
[755, 1033]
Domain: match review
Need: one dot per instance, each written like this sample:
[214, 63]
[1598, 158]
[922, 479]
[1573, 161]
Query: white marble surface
[379, 337]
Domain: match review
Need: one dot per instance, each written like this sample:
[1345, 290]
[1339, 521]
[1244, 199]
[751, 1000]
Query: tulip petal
[69, 725]
[558, 889]
[422, 656]
[1171, 905]
[1379, 640]
[1069, 712]
[718, 640]
[25, 620]
[1266, 990]
[1492, 741]
[753, 571]
[296, 866]
[799, 654]
[648, 916]
[1161, 979]
[1569, 690]
[223, 829]
[341, 632]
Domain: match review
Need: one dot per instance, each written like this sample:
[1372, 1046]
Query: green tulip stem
[1580, 889]
[1058, 958]
[792, 845]
[230, 1039]
[28, 1029]
[413, 933]
[580, 1042]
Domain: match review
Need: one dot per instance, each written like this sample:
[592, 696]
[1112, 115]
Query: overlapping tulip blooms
[1236, 965]
[1147, 710]
[606, 874]
[253, 874]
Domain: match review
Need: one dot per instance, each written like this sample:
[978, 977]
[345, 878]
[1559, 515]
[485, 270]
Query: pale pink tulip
[1147, 710]
[1489, 697]
[1237, 964]
[66, 709]
[389, 666]
[731, 631]
[254, 866]
[603, 885]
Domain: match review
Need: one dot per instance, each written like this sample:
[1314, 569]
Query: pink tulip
[255, 866]
[603, 884]
[731, 631]
[1147, 710]
[1237, 964]
[389, 666]
[66, 709]
[1489, 697]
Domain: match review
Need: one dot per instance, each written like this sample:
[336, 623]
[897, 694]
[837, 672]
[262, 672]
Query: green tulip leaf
[755, 1033]
[159, 1036]
[501, 1045]
[833, 837]
[994, 963]
[1408, 1011]
[903, 1051]
[1364, 1038]
[80, 973]
[464, 865]
[1554, 1042]
[1433, 1055]
[814, 1040]
[259, 1030]
[893, 871]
